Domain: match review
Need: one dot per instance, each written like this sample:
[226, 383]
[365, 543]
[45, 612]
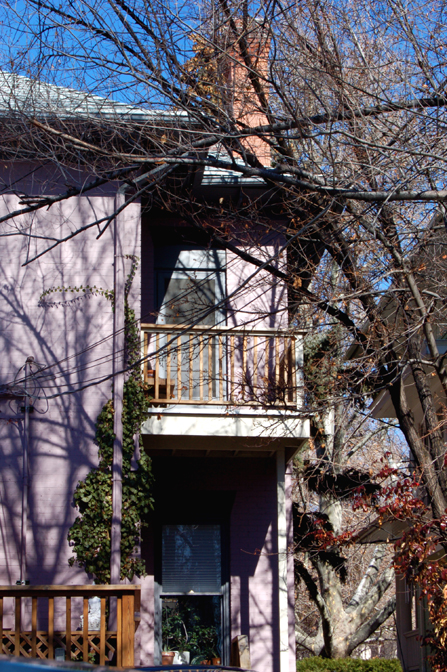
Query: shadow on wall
[69, 334]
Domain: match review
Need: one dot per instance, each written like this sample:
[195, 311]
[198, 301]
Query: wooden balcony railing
[41, 620]
[218, 365]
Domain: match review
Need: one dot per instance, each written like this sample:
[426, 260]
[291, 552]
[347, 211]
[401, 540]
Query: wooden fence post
[128, 624]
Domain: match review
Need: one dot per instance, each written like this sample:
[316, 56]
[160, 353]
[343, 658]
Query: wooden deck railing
[39, 629]
[219, 365]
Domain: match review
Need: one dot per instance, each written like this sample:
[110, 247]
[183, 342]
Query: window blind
[191, 559]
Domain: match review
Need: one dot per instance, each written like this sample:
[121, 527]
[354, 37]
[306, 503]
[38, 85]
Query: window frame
[224, 593]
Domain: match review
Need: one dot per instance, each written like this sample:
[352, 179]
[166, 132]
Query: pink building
[224, 419]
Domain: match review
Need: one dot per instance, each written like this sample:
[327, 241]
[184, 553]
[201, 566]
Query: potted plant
[209, 645]
[167, 657]
[174, 636]
[180, 644]
[206, 642]
[168, 628]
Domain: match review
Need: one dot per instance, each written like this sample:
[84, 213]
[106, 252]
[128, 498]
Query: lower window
[192, 593]
[192, 626]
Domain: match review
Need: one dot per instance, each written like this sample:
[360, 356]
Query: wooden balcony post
[298, 379]
[277, 372]
[291, 369]
[231, 368]
[157, 369]
[85, 631]
[168, 369]
[266, 367]
[51, 628]
[18, 619]
[210, 368]
[102, 636]
[294, 371]
[33, 627]
[145, 347]
[128, 633]
[221, 375]
[254, 380]
[67, 627]
[119, 631]
[191, 352]
[244, 365]
[179, 368]
[1, 625]
[201, 367]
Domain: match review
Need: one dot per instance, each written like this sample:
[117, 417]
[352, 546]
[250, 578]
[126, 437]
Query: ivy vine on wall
[90, 534]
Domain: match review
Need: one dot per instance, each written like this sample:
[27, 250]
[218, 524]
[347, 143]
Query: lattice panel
[59, 641]
[94, 646]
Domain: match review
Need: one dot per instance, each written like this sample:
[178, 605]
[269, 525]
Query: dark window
[191, 559]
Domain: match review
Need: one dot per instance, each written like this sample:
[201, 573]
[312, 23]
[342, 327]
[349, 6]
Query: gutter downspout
[25, 478]
[118, 387]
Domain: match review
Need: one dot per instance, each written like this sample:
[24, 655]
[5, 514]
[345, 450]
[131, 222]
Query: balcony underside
[201, 431]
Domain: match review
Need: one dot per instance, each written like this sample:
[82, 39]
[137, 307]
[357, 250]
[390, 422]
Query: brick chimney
[248, 56]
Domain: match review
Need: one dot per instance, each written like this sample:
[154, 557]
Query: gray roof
[224, 177]
[19, 94]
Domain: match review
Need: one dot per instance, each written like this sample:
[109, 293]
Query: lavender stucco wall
[262, 302]
[70, 337]
[254, 561]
